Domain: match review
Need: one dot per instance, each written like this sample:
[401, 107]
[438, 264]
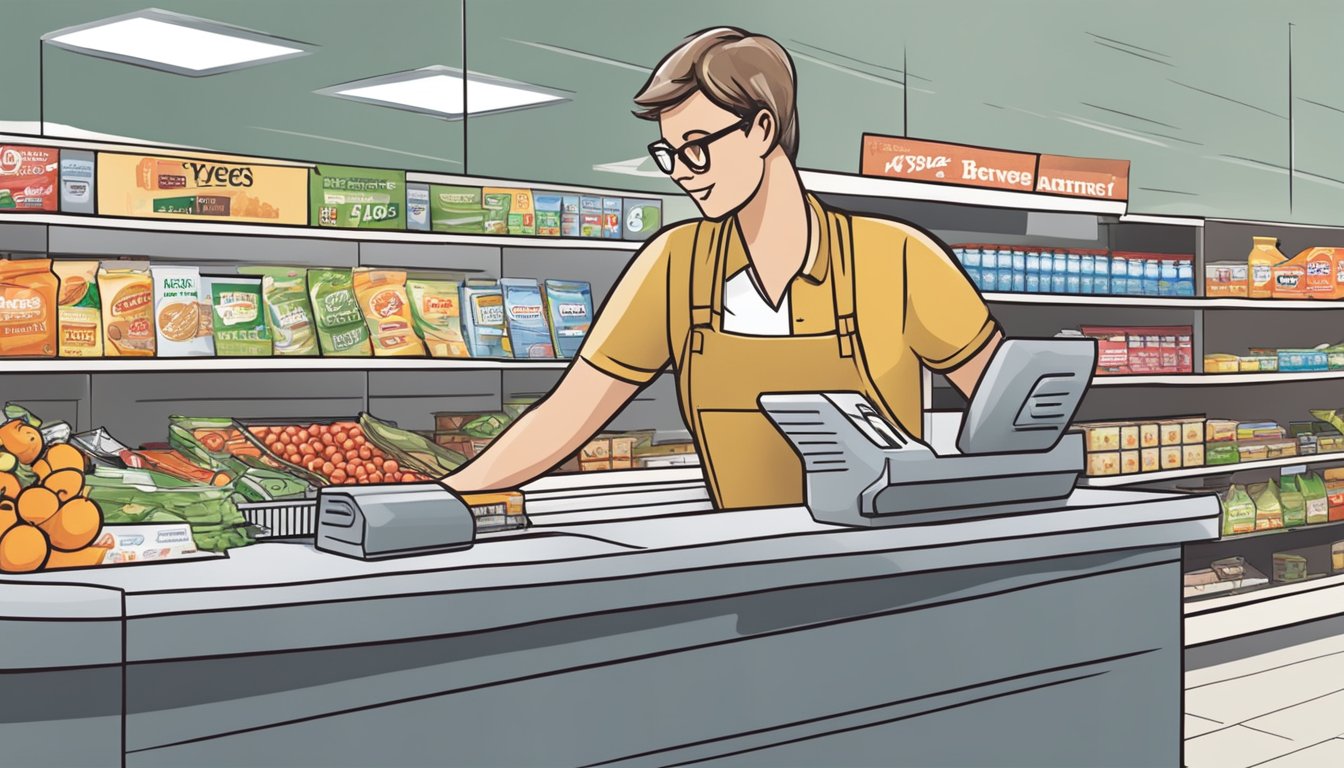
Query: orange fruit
[22, 440]
[9, 516]
[65, 456]
[74, 526]
[23, 548]
[36, 504]
[82, 558]
[9, 486]
[65, 483]
[41, 468]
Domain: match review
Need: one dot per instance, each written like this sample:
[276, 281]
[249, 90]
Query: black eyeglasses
[694, 153]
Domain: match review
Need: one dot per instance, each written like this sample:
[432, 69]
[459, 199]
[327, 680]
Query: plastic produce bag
[146, 496]
[409, 449]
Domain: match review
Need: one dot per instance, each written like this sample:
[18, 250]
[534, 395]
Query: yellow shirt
[914, 305]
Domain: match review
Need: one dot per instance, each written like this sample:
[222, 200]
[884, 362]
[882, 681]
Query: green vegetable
[16, 411]
[409, 449]
[488, 426]
[146, 496]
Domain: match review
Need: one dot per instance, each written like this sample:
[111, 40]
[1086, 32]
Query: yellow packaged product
[1220, 430]
[1192, 455]
[387, 311]
[1149, 436]
[1170, 432]
[1192, 431]
[127, 293]
[1103, 464]
[27, 308]
[79, 317]
[1129, 462]
[1129, 437]
[1170, 456]
[1102, 437]
[1221, 363]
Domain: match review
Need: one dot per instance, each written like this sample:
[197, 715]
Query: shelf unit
[1213, 379]
[270, 364]
[1161, 302]
[1148, 478]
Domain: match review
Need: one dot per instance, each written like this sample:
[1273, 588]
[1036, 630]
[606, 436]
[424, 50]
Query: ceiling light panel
[438, 90]
[170, 42]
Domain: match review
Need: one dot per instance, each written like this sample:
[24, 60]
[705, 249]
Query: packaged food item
[496, 204]
[529, 331]
[1192, 455]
[340, 324]
[590, 216]
[289, 315]
[1238, 511]
[1280, 449]
[483, 323]
[1290, 281]
[1289, 567]
[1337, 556]
[611, 218]
[1268, 511]
[362, 198]
[1130, 462]
[1334, 357]
[548, 215]
[1329, 443]
[1259, 430]
[1260, 265]
[28, 290]
[1252, 451]
[496, 511]
[1220, 430]
[77, 171]
[79, 314]
[177, 313]
[520, 213]
[139, 496]
[1149, 436]
[1170, 432]
[127, 293]
[1101, 437]
[644, 217]
[1221, 363]
[1129, 437]
[417, 206]
[125, 543]
[1334, 499]
[437, 311]
[1334, 418]
[1292, 503]
[1302, 360]
[569, 304]
[171, 462]
[569, 216]
[239, 322]
[1150, 459]
[456, 209]
[387, 311]
[1218, 454]
[1103, 464]
[1170, 456]
[1192, 431]
[1312, 488]
[1225, 280]
[1320, 264]
[1112, 349]
[28, 178]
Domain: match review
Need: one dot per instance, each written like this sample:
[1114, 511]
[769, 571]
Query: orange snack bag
[387, 311]
[79, 318]
[27, 308]
[128, 309]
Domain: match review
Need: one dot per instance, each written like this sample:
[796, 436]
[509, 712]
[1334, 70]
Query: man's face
[735, 161]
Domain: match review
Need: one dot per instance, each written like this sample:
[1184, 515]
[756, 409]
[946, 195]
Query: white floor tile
[1308, 722]
[1322, 755]
[1276, 658]
[1198, 726]
[1245, 698]
[1235, 747]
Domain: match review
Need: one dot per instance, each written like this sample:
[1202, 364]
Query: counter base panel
[1068, 661]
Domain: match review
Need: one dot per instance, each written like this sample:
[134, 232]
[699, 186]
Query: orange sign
[1083, 177]
[201, 188]
[901, 158]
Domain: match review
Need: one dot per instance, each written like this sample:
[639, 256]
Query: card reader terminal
[1013, 451]
[374, 522]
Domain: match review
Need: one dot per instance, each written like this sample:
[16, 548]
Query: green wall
[1194, 93]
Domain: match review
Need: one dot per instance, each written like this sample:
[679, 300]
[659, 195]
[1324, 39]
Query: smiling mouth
[701, 194]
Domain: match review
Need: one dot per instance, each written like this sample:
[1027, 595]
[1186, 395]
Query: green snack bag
[341, 330]
[496, 206]
[1312, 488]
[456, 209]
[1238, 511]
[363, 198]
[1294, 506]
[1268, 510]
[289, 316]
[239, 322]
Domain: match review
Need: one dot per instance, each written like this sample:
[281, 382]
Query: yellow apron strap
[704, 268]
[842, 281]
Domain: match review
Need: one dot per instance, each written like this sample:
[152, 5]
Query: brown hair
[738, 71]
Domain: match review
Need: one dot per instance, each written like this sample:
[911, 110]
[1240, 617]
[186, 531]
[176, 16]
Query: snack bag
[27, 308]
[177, 313]
[127, 293]
[611, 218]
[483, 322]
[387, 311]
[340, 325]
[570, 306]
[289, 316]
[496, 203]
[529, 332]
[437, 311]
[456, 209]
[79, 317]
[240, 324]
[520, 214]
[548, 215]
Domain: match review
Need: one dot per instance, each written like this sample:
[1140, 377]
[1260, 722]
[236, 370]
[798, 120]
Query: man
[771, 292]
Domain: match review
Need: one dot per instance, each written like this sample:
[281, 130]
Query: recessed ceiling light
[438, 90]
[172, 42]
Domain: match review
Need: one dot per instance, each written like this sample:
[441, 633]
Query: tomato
[390, 466]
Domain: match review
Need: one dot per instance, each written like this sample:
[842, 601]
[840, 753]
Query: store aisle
[1282, 709]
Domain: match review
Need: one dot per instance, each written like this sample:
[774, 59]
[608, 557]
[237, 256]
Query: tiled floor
[1283, 709]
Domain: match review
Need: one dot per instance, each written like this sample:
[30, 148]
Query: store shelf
[1220, 469]
[266, 364]
[1262, 608]
[1233, 538]
[313, 233]
[1169, 302]
[1208, 379]
[870, 186]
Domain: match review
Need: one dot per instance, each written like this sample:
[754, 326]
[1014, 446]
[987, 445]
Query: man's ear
[764, 131]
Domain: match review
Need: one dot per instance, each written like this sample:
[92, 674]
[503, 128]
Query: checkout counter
[1033, 626]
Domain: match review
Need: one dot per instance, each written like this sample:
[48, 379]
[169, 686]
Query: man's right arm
[625, 349]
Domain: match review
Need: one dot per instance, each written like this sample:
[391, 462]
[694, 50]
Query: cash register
[1010, 452]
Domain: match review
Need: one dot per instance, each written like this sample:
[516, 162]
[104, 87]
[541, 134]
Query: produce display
[1033, 269]
[125, 309]
[338, 452]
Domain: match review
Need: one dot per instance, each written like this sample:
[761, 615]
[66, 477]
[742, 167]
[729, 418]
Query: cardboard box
[1150, 459]
[1150, 436]
[1217, 454]
[1169, 432]
[1192, 455]
[1170, 456]
[1225, 280]
[1103, 464]
[1130, 462]
[1220, 431]
[1192, 431]
[1101, 437]
[1129, 437]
